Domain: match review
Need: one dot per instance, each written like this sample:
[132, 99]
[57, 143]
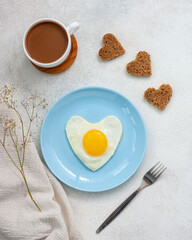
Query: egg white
[77, 127]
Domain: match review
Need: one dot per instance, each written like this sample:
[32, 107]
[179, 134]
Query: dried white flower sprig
[11, 130]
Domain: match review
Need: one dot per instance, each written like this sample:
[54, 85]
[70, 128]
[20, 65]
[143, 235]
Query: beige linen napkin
[19, 217]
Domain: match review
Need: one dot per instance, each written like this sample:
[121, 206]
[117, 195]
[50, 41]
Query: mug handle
[73, 27]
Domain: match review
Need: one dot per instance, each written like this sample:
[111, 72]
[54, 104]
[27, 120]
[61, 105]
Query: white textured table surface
[164, 29]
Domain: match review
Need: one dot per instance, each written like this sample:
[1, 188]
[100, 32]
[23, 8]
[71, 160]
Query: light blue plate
[93, 104]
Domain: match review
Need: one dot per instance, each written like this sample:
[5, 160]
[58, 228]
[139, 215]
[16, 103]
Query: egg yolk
[95, 142]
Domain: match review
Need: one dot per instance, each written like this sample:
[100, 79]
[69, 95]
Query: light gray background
[164, 29]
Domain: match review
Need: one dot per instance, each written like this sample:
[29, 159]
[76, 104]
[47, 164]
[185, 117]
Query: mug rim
[59, 60]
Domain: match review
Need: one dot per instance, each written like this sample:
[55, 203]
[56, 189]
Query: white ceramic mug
[69, 30]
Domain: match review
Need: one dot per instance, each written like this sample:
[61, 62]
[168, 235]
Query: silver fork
[149, 178]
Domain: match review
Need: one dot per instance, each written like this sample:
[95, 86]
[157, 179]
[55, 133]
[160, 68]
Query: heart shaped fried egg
[94, 143]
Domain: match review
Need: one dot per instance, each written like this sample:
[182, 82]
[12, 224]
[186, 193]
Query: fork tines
[157, 170]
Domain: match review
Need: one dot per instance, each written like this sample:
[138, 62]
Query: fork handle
[116, 212]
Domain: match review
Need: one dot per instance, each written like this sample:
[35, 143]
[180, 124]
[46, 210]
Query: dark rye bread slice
[112, 48]
[160, 97]
[141, 66]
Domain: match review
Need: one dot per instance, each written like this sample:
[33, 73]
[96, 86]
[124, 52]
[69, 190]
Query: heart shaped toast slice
[112, 48]
[141, 66]
[159, 97]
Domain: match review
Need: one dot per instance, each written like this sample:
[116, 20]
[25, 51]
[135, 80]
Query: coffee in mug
[47, 42]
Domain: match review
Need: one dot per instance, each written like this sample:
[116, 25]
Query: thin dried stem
[4, 136]
[25, 180]
[30, 121]
[9, 155]
[26, 111]
[16, 137]
[15, 145]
